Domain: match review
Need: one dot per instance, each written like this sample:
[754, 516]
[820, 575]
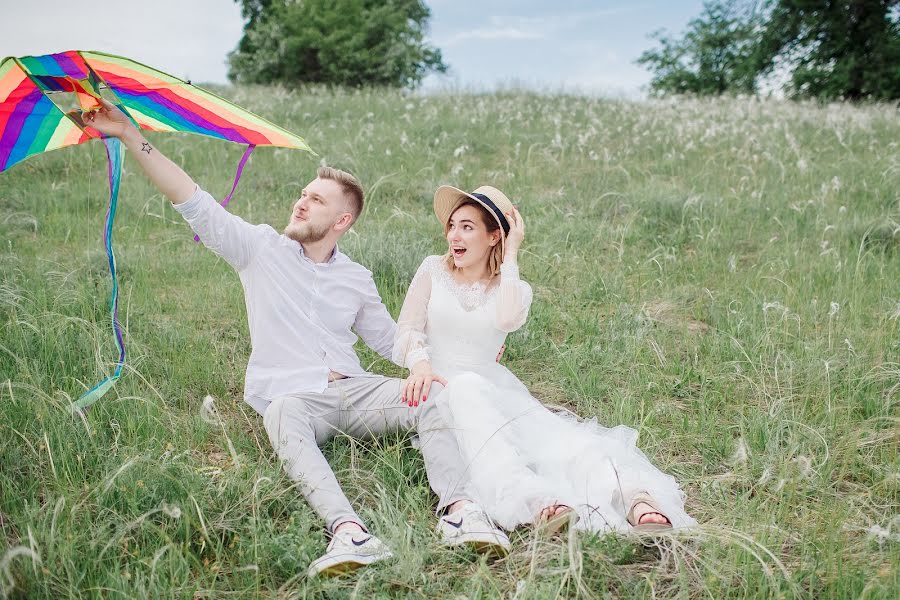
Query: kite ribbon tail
[237, 177]
[114, 155]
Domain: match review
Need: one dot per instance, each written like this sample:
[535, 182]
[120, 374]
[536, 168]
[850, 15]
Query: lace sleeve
[513, 299]
[410, 343]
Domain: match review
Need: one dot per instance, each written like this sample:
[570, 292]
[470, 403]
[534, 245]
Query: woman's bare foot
[554, 518]
[552, 511]
[645, 514]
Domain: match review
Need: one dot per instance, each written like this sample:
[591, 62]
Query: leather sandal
[559, 522]
[644, 498]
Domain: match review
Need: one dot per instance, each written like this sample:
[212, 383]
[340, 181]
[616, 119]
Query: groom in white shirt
[303, 297]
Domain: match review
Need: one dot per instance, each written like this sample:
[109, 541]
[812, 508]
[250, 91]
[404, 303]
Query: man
[303, 297]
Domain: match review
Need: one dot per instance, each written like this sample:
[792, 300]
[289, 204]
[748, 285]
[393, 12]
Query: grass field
[722, 275]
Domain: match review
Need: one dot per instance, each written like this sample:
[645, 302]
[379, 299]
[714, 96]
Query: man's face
[320, 207]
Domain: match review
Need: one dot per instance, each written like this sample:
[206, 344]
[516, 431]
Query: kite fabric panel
[32, 123]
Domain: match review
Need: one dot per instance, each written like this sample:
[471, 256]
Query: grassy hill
[722, 275]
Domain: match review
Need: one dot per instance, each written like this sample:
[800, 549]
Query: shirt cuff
[509, 272]
[415, 356]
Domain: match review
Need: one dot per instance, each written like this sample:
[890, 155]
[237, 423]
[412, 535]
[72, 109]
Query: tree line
[828, 49]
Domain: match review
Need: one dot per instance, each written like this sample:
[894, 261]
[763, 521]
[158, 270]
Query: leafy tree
[827, 48]
[840, 48]
[713, 57]
[346, 42]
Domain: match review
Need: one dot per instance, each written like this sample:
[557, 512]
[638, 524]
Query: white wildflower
[895, 314]
[740, 453]
[10, 554]
[776, 306]
[835, 308]
[173, 510]
[884, 534]
[208, 411]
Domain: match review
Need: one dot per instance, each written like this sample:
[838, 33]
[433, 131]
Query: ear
[495, 238]
[343, 224]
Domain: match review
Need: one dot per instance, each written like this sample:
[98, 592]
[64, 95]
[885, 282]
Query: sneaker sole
[344, 563]
[480, 544]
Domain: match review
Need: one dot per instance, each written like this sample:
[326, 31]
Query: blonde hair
[495, 258]
[350, 186]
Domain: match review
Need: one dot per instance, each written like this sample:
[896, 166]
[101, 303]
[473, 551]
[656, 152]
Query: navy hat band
[499, 213]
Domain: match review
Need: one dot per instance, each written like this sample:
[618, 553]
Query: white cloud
[537, 27]
[488, 33]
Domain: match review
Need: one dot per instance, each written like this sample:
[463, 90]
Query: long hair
[495, 258]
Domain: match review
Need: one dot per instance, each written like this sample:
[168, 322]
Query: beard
[305, 232]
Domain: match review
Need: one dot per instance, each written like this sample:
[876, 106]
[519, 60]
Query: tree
[345, 42]
[713, 57]
[839, 48]
[826, 48]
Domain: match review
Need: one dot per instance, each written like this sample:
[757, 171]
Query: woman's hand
[418, 384]
[516, 232]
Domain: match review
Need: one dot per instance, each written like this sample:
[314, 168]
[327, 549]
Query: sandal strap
[644, 498]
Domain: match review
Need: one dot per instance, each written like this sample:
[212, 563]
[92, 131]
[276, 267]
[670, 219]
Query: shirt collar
[331, 260]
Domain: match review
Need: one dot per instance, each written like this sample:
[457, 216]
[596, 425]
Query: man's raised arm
[171, 180]
[226, 234]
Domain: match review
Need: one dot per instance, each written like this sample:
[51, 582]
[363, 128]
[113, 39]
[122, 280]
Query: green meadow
[721, 275]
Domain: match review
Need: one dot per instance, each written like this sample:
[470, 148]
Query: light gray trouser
[361, 407]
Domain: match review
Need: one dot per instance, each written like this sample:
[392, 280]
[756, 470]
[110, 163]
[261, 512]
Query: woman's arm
[514, 295]
[410, 344]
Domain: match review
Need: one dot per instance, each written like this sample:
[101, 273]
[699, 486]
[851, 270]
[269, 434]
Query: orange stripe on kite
[112, 72]
[11, 81]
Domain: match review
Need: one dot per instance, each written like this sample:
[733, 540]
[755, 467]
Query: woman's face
[469, 240]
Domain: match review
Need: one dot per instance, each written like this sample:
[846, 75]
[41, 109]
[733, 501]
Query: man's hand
[165, 175]
[110, 121]
[418, 384]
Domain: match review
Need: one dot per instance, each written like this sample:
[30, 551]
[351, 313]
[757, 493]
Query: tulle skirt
[522, 457]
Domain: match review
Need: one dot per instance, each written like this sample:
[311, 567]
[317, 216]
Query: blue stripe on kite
[161, 113]
[10, 135]
[42, 108]
[43, 65]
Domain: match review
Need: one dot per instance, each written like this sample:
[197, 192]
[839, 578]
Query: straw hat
[448, 198]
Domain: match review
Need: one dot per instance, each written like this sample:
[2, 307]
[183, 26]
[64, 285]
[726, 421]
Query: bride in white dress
[528, 465]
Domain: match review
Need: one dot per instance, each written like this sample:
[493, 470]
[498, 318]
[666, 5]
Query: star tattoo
[145, 147]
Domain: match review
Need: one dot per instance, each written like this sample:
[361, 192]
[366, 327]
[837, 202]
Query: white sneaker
[471, 525]
[349, 550]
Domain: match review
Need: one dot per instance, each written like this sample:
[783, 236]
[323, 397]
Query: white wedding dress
[521, 456]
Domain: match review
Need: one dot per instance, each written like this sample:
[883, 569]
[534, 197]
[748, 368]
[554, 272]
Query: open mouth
[458, 252]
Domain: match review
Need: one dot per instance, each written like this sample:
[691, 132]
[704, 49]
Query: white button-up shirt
[300, 312]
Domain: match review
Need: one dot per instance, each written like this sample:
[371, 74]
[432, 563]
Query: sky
[576, 45]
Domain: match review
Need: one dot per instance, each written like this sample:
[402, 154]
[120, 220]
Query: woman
[528, 465]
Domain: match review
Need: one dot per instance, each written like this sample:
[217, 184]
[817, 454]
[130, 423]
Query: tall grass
[722, 275]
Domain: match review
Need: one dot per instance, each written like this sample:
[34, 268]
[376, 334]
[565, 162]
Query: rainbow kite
[42, 99]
